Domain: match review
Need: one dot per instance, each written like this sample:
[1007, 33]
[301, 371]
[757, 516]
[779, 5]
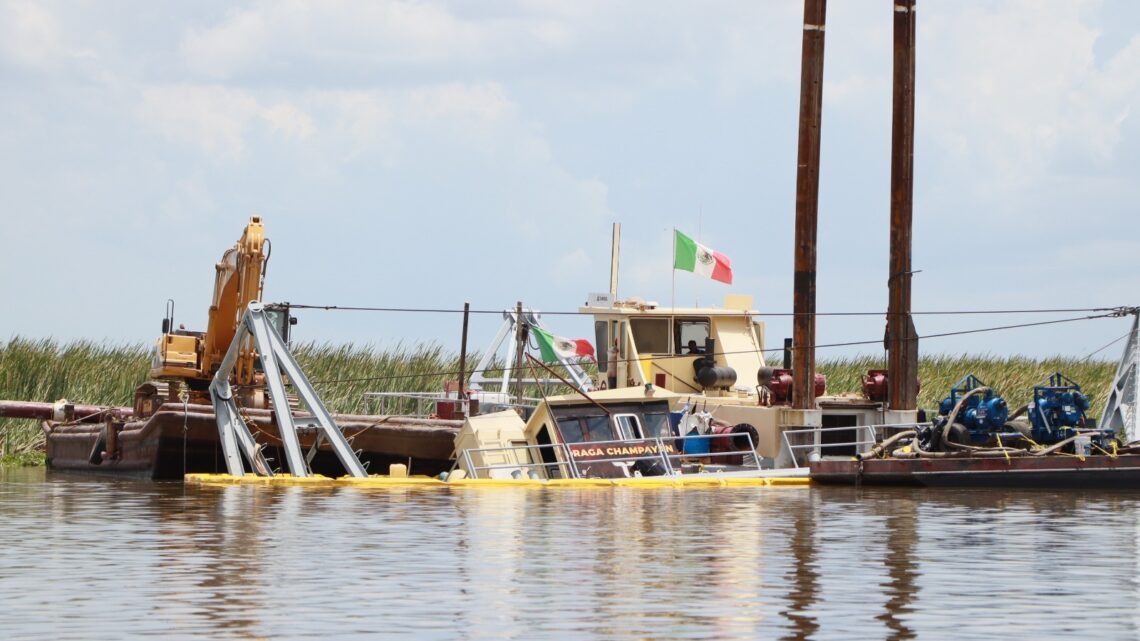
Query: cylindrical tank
[875, 385]
[780, 384]
[714, 377]
[731, 438]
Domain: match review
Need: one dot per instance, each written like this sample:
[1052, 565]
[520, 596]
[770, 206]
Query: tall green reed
[106, 374]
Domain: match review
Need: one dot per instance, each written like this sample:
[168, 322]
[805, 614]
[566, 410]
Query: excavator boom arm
[237, 282]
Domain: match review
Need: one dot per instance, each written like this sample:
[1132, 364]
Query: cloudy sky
[423, 154]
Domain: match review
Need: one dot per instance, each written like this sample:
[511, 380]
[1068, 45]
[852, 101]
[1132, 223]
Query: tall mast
[615, 253]
[807, 203]
[902, 339]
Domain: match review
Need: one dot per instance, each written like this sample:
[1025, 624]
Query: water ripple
[107, 559]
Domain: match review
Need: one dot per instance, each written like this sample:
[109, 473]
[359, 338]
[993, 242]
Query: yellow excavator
[184, 361]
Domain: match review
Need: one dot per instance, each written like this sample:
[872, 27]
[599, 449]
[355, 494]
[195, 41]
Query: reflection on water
[103, 559]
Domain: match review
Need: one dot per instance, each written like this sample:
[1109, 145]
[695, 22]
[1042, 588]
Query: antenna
[615, 253]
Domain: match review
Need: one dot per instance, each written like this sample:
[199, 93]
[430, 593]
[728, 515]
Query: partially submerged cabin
[603, 435]
[616, 433]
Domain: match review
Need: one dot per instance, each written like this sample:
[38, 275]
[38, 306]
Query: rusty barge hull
[1047, 472]
[172, 442]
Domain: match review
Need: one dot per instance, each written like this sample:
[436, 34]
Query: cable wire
[712, 312]
[817, 346]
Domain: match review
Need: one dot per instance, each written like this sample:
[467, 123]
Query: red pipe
[46, 411]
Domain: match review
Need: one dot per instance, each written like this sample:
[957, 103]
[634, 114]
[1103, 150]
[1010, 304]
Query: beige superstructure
[641, 343]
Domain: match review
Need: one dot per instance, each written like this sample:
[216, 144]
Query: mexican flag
[692, 256]
[554, 347]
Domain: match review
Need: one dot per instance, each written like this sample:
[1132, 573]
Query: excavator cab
[189, 358]
[278, 316]
[177, 353]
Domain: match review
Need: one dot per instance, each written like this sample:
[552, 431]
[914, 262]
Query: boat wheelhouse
[618, 433]
[714, 359]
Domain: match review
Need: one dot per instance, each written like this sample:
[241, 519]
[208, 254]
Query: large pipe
[60, 411]
[807, 203]
[902, 339]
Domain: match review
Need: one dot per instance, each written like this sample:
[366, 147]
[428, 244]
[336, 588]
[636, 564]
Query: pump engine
[1057, 410]
[1056, 419]
[983, 414]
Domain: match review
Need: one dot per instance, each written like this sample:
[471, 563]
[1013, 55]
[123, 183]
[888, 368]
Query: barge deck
[1044, 472]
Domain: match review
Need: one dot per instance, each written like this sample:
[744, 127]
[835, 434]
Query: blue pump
[982, 414]
[1057, 410]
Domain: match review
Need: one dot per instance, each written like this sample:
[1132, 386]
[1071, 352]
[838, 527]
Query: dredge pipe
[874, 452]
[1018, 412]
[60, 411]
[980, 453]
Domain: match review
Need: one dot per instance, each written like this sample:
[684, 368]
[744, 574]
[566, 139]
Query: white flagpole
[673, 268]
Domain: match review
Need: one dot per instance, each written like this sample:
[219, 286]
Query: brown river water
[90, 558]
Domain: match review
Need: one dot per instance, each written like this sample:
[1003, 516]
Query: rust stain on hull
[157, 446]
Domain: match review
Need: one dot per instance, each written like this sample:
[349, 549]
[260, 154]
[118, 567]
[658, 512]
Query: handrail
[661, 454]
[389, 402]
[871, 429]
[474, 469]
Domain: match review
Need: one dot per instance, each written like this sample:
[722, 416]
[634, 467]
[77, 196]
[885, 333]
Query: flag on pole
[691, 256]
[554, 348]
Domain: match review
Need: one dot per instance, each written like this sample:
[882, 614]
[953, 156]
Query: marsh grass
[82, 371]
[1013, 377]
[96, 373]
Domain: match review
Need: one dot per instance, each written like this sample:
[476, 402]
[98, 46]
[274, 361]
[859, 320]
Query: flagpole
[673, 268]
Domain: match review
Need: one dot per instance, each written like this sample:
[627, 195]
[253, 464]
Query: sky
[427, 154]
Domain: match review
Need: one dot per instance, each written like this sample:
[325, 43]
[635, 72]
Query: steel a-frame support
[275, 359]
[1120, 408]
[575, 371]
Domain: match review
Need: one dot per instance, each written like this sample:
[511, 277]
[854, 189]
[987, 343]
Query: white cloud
[289, 121]
[212, 118]
[571, 266]
[29, 34]
[218, 120]
[1023, 95]
[235, 44]
[477, 129]
[342, 32]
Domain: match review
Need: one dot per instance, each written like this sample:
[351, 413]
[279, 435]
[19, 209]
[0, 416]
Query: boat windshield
[579, 429]
[657, 425]
[617, 421]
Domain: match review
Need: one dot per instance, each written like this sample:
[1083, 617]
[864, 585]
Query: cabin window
[598, 427]
[628, 427]
[571, 430]
[602, 343]
[691, 335]
[581, 429]
[651, 335]
[657, 425]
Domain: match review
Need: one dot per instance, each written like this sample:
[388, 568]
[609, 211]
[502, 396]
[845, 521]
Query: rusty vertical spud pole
[902, 339]
[461, 390]
[807, 204]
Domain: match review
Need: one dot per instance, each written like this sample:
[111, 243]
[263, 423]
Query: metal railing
[423, 404]
[872, 431]
[529, 465]
[669, 454]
